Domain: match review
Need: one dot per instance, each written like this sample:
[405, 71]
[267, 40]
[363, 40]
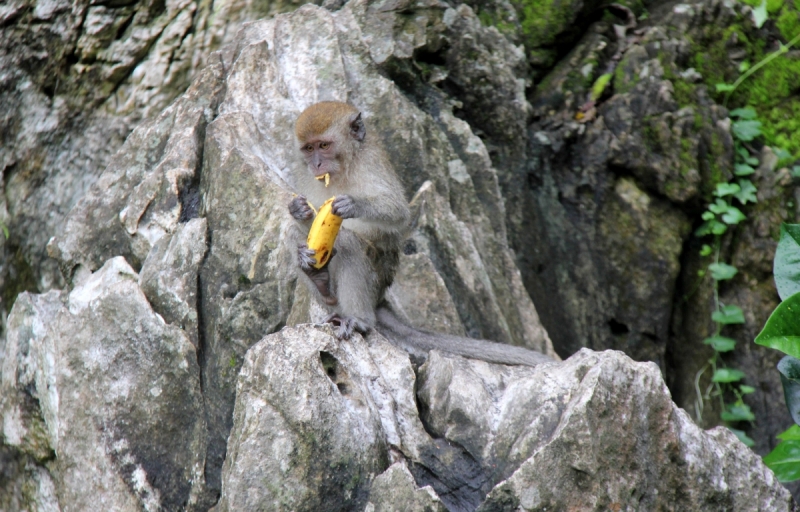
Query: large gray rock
[318, 421]
[105, 396]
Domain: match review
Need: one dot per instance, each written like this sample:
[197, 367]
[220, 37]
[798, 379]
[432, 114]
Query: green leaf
[743, 170]
[789, 367]
[747, 192]
[737, 412]
[744, 113]
[751, 160]
[5, 230]
[790, 434]
[782, 155]
[744, 438]
[786, 266]
[744, 66]
[709, 227]
[707, 216]
[746, 390]
[726, 189]
[727, 375]
[760, 14]
[747, 441]
[724, 88]
[719, 206]
[600, 85]
[705, 250]
[795, 172]
[746, 130]
[782, 330]
[722, 271]
[733, 216]
[730, 314]
[721, 343]
[784, 461]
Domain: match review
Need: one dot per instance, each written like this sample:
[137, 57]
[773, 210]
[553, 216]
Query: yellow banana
[323, 233]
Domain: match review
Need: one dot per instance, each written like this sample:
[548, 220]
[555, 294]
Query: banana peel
[322, 234]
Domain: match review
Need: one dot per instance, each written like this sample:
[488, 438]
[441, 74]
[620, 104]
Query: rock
[394, 490]
[169, 276]
[317, 421]
[105, 397]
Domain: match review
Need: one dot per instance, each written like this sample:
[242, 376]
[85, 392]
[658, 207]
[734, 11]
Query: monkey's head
[330, 133]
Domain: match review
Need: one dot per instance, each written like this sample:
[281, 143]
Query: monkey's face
[321, 156]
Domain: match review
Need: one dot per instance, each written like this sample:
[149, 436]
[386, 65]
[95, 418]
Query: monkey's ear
[357, 129]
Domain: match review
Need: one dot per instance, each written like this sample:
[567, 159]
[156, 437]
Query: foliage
[722, 213]
[782, 332]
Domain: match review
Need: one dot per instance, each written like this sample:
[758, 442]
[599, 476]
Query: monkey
[333, 140]
[369, 197]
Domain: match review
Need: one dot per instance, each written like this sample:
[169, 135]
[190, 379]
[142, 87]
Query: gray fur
[418, 343]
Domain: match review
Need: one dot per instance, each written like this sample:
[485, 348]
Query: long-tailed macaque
[334, 141]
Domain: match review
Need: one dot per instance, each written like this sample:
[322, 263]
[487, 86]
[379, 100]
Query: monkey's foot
[345, 326]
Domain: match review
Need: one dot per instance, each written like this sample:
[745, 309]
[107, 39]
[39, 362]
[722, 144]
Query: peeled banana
[323, 233]
[326, 177]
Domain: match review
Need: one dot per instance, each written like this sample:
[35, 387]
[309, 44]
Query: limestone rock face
[161, 367]
[104, 394]
[318, 422]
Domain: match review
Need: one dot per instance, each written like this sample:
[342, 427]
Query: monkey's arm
[389, 211]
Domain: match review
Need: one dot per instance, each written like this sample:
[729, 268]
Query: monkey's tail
[418, 343]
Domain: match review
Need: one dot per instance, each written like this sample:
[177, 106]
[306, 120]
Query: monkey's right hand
[300, 209]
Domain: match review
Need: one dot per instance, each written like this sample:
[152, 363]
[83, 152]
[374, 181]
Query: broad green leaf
[790, 378]
[721, 343]
[786, 266]
[743, 170]
[747, 192]
[722, 271]
[782, 330]
[744, 66]
[790, 434]
[733, 216]
[705, 250]
[718, 228]
[724, 87]
[751, 160]
[727, 375]
[747, 441]
[760, 14]
[746, 130]
[726, 189]
[784, 461]
[744, 113]
[707, 215]
[746, 390]
[730, 314]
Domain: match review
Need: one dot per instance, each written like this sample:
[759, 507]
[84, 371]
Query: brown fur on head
[318, 118]
[331, 135]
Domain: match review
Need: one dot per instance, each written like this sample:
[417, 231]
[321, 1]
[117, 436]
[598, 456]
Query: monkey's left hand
[345, 207]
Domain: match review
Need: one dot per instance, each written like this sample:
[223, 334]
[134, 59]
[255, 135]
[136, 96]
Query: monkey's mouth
[320, 173]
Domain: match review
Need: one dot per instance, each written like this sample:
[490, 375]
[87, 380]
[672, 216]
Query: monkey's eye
[308, 148]
[324, 145]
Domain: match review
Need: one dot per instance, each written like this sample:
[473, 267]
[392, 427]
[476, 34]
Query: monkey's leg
[355, 285]
[320, 277]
